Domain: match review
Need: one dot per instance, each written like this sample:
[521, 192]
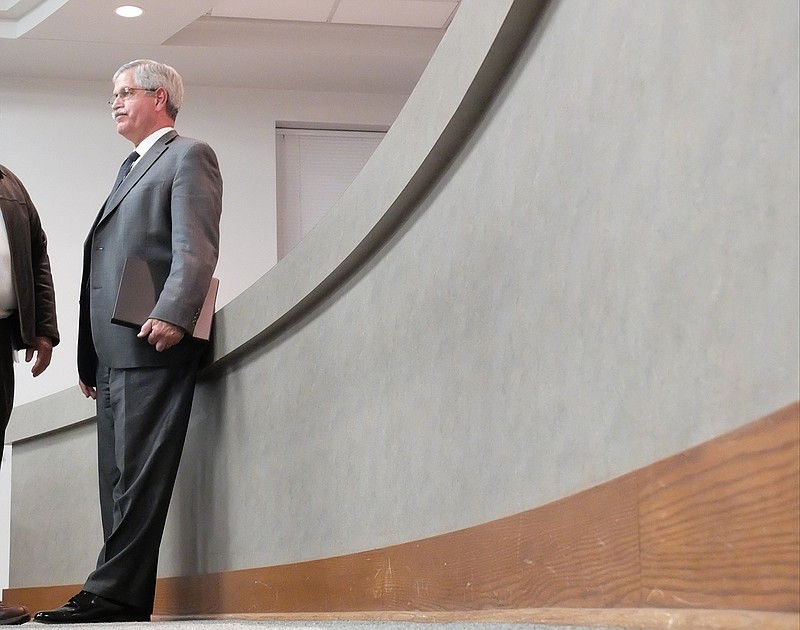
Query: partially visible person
[27, 306]
[164, 209]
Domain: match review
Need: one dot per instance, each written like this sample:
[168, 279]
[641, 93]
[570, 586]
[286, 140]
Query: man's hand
[86, 390]
[43, 348]
[161, 334]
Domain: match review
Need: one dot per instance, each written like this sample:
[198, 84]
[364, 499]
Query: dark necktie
[125, 169]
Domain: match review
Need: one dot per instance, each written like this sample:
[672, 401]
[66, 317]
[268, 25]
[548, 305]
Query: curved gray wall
[605, 273]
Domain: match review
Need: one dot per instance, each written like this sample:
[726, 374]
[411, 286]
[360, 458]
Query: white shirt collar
[145, 145]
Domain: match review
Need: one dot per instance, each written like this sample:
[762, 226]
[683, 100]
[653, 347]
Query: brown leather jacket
[36, 301]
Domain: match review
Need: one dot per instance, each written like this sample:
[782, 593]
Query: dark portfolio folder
[137, 297]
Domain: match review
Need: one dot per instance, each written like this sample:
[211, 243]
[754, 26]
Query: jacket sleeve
[44, 291]
[196, 206]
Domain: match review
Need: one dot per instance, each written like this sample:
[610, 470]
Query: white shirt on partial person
[8, 295]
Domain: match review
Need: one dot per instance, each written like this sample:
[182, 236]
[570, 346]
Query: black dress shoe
[87, 607]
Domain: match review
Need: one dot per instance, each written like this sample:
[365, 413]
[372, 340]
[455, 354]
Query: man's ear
[161, 99]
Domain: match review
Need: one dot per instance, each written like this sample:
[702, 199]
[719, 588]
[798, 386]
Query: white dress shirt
[8, 295]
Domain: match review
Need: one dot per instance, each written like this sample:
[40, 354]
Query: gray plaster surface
[604, 275]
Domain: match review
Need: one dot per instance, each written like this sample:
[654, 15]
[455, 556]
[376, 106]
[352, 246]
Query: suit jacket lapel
[138, 171]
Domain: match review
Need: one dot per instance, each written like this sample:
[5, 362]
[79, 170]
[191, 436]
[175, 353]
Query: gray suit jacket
[167, 212]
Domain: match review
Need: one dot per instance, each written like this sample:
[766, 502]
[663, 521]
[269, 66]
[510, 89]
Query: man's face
[133, 108]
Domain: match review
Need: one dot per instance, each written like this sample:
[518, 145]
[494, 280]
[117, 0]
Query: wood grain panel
[720, 524]
[41, 597]
[530, 559]
[715, 527]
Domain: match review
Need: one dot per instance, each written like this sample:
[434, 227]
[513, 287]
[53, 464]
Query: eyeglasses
[126, 93]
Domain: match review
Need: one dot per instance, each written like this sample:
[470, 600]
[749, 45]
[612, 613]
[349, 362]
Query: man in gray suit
[27, 306]
[166, 211]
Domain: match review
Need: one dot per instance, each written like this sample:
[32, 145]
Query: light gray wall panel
[55, 528]
[606, 274]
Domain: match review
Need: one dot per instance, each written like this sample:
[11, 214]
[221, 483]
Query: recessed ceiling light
[128, 11]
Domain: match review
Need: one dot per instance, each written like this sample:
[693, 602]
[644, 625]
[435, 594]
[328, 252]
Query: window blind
[314, 168]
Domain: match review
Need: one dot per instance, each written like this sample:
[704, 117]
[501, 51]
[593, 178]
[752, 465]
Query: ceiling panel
[12, 9]
[419, 13]
[95, 21]
[305, 11]
[376, 46]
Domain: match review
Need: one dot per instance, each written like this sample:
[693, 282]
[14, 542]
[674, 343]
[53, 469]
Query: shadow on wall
[200, 497]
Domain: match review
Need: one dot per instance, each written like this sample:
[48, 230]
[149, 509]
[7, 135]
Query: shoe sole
[15, 620]
[108, 619]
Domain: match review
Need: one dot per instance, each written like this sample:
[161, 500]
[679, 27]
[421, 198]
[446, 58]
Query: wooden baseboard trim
[715, 528]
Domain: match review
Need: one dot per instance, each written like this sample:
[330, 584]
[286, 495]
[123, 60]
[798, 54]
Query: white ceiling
[330, 45]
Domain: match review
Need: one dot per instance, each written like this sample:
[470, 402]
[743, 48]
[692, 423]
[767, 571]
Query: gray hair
[152, 75]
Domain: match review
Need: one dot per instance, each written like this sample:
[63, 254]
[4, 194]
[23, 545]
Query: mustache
[118, 112]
